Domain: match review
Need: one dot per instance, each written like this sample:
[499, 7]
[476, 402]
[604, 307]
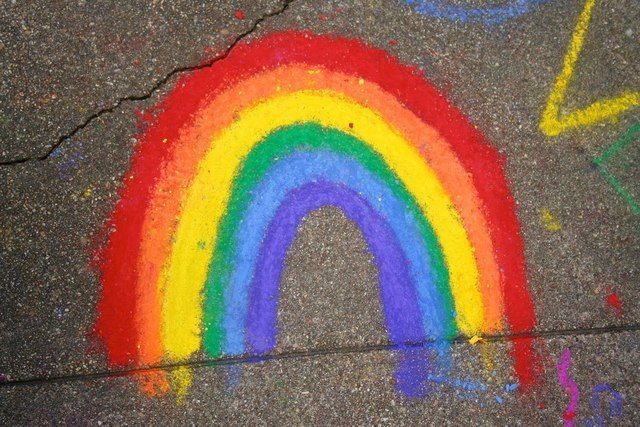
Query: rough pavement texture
[343, 388]
[64, 64]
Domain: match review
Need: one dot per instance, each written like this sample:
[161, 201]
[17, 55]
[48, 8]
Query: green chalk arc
[278, 144]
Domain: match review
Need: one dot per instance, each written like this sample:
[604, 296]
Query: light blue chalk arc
[292, 172]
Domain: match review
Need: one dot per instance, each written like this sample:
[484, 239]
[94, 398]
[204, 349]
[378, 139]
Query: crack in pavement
[283, 8]
[303, 354]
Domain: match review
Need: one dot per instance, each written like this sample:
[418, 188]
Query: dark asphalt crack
[303, 354]
[133, 98]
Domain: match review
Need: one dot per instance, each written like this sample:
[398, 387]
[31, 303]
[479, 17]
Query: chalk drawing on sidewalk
[617, 149]
[549, 220]
[493, 15]
[240, 152]
[570, 387]
[551, 122]
[615, 405]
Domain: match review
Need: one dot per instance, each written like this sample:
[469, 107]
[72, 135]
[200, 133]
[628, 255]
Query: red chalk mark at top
[239, 14]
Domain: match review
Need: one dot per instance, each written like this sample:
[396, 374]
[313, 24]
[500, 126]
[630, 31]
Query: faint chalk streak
[627, 138]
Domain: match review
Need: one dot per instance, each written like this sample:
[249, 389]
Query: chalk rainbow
[238, 153]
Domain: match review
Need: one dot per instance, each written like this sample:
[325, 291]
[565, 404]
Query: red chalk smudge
[614, 301]
[323, 17]
[143, 118]
[392, 42]
[240, 14]
[350, 125]
[143, 115]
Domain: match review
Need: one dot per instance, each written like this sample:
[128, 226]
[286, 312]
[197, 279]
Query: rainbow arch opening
[159, 265]
[399, 301]
[202, 209]
[338, 156]
[309, 160]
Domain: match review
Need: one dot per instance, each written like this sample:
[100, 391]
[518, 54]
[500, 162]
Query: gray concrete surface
[345, 388]
[65, 65]
[65, 61]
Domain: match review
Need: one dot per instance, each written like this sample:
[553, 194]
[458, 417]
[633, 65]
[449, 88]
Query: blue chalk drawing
[615, 407]
[510, 387]
[491, 15]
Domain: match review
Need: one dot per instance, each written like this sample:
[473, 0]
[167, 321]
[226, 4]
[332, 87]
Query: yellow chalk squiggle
[551, 124]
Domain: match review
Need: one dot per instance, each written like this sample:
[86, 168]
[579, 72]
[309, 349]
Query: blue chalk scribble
[615, 407]
[511, 387]
[494, 15]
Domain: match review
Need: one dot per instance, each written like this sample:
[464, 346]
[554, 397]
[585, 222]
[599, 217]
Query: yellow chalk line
[551, 124]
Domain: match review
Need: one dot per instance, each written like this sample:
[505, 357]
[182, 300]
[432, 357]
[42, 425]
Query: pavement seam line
[149, 93]
[303, 354]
